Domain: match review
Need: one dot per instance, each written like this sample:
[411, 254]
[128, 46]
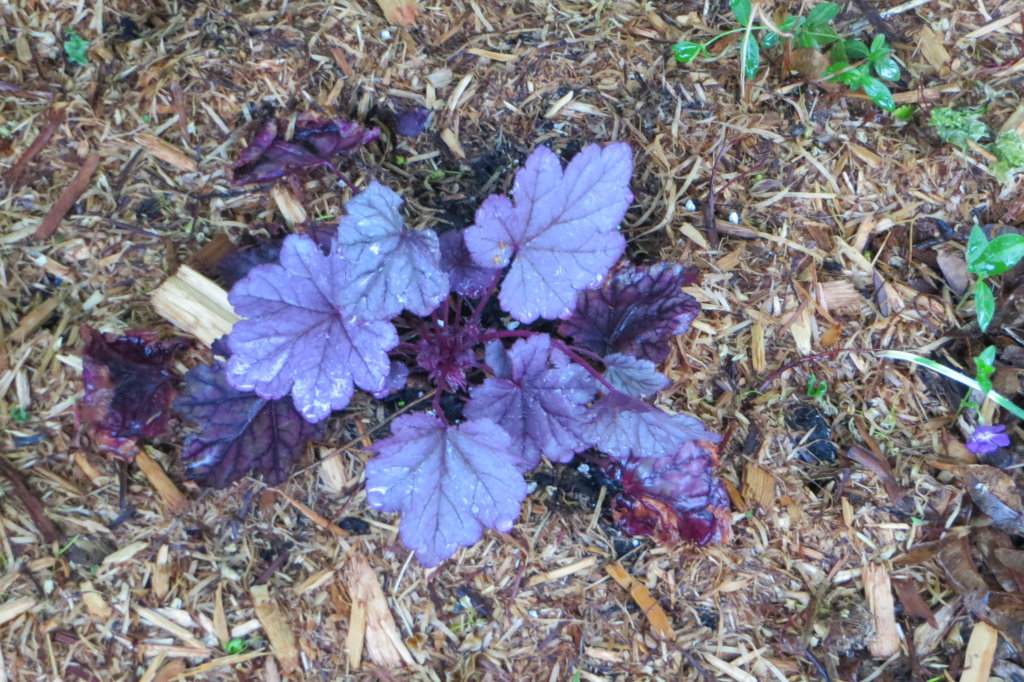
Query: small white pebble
[531, 487]
[512, 325]
[734, 218]
[385, 34]
[689, 205]
[533, 613]
[583, 468]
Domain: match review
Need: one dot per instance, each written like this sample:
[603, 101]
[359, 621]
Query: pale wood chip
[163, 485]
[275, 624]
[878, 589]
[574, 567]
[401, 12]
[15, 607]
[167, 152]
[981, 651]
[839, 294]
[291, 210]
[196, 305]
[383, 641]
[758, 486]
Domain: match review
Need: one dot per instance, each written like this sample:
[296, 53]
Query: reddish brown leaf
[879, 467]
[128, 388]
[912, 602]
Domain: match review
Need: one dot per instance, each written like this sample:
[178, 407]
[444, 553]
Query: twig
[30, 501]
[15, 177]
[71, 193]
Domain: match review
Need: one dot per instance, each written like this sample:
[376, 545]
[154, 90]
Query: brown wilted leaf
[809, 63]
[879, 467]
[996, 495]
[954, 269]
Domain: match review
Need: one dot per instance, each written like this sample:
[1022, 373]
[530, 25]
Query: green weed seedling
[987, 259]
[76, 47]
[852, 62]
[964, 126]
[816, 389]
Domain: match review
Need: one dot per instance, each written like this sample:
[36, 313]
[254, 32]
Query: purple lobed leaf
[314, 143]
[448, 482]
[498, 359]
[622, 427]
[465, 276]
[675, 498]
[239, 431]
[397, 377]
[542, 408]
[634, 377]
[636, 311]
[392, 268]
[561, 235]
[302, 336]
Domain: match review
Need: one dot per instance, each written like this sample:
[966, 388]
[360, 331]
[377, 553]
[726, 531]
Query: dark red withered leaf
[239, 431]
[128, 387]
[675, 498]
[314, 143]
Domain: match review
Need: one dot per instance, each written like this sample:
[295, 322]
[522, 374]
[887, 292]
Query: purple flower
[987, 439]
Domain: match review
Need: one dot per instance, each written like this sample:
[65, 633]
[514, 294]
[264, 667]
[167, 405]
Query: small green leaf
[905, 113]
[790, 23]
[236, 646]
[741, 10]
[823, 13]
[855, 49]
[770, 40]
[19, 414]
[987, 360]
[879, 93]
[816, 35]
[887, 68]
[686, 52]
[76, 48]
[976, 244]
[753, 59]
[838, 52]
[984, 304]
[1001, 254]
[878, 46]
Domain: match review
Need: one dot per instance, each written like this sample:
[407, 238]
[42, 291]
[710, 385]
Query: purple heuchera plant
[388, 301]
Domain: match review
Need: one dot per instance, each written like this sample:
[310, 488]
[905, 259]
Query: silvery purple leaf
[561, 235]
[634, 377]
[622, 427]
[636, 311]
[392, 268]
[542, 408]
[395, 381]
[302, 336]
[466, 277]
[498, 359]
[239, 431]
[448, 483]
